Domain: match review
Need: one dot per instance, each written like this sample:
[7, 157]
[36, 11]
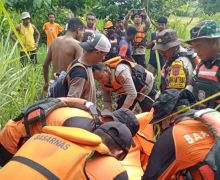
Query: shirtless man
[64, 49]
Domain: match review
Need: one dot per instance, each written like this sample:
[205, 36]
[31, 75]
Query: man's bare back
[63, 51]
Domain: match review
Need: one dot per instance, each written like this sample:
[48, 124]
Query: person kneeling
[82, 155]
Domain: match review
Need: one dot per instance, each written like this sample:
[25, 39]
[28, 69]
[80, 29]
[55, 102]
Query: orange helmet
[108, 24]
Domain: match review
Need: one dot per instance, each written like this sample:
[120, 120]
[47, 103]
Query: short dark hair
[131, 30]
[50, 13]
[98, 67]
[74, 24]
[162, 19]
[90, 14]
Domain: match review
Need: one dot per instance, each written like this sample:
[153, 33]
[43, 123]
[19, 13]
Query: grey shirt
[82, 84]
[122, 74]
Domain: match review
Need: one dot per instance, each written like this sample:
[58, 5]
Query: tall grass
[19, 86]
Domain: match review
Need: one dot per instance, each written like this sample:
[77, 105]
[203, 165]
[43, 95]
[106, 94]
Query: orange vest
[136, 160]
[98, 168]
[192, 143]
[139, 36]
[210, 74]
[59, 153]
[112, 64]
[13, 131]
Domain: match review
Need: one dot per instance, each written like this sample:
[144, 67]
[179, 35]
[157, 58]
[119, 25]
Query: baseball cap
[207, 29]
[125, 116]
[166, 39]
[25, 15]
[97, 42]
[169, 102]
[120, 134]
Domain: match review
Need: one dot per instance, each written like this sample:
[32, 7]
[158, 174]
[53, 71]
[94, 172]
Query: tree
[210, 6]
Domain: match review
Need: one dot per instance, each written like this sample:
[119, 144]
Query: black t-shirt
[78, 71]
[162, 156]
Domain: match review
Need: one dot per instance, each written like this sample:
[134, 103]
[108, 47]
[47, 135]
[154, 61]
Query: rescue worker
[139, 16]
[109, 32]
[185, 140]
[15, 133]
[178, 68]
[83, 155]
[130, 80]
[205, 40]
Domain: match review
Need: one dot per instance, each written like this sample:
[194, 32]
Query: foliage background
[20, 87]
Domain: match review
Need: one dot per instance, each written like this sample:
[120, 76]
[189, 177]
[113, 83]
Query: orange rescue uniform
[178, 148]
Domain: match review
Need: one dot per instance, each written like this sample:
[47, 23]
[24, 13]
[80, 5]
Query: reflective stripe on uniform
[208, 73]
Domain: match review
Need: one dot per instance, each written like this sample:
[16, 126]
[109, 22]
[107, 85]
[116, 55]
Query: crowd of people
[69, 126]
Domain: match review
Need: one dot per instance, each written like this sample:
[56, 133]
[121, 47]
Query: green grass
[19, 86]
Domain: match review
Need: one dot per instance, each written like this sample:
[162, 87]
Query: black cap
[125, 116]
[169, 101]
[120, 134]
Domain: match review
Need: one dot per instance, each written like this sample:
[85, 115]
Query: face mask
[110, 33]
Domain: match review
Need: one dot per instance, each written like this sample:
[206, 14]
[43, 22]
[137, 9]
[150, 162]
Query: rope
[189, 107]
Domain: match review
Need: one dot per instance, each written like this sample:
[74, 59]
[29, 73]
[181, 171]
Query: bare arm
[38, 35]
[79, 52]
[107, 100]
[146, 20]
[126, 18]
[47, 62]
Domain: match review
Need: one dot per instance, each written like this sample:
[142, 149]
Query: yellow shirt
[52, 30]
[27, 37]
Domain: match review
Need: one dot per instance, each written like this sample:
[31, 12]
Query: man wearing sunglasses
[80, 77]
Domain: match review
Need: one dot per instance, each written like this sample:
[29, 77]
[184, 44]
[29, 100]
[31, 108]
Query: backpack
[191, 55]
[41, 109]
[211, 118]
[60, 87]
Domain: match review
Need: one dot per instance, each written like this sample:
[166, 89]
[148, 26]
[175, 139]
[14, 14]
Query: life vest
[138, 74]
[140, 38]
[137, 158]
[209, 168]
[50, 111]
[58, 153]
[206, 82]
